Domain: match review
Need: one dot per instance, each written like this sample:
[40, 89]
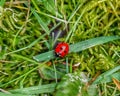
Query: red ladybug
[62, 49]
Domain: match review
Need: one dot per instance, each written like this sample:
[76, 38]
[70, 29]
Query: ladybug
[62, 49]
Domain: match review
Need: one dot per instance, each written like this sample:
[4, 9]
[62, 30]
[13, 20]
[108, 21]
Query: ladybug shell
[62, 49]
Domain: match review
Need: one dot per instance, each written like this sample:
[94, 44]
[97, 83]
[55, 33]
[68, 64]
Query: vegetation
[29, 32]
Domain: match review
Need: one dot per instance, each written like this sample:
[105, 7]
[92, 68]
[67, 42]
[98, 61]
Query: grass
[28, 66]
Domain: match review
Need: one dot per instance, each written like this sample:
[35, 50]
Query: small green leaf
[77, 83]
[71, 84]
[48, 73]
[77, 47]
[66, 85]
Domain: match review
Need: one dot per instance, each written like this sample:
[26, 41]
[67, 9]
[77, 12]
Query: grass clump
[25, 31]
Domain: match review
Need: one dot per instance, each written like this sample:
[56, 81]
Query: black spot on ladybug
[65, 52]
[61, 48]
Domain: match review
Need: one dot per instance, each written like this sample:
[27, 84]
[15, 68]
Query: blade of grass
[14, 40]
[4, 94]
[75, 11]
[77, 47]
[35, 5]
[103, 78]
[71, 66]
[40, 21]
[74, 27]
[2, 2]
[48, 88]
[29, 46]
[53, 17]
[50, 6]
[24, 58]
[55, 72]
[45, 56]
[67, 66]
[80, 46]
[40, 65]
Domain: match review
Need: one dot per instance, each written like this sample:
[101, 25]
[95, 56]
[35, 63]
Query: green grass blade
[50, 6]
[107, 76]
[40, 21]
[25, 58]
[4, 94]
[29, 46]
[35, 5]
[77, 47]
[80, 46]
[45, 56]
[2, 2]
[40, 65]
[35, 89]
[67, 66]
[74, 27]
